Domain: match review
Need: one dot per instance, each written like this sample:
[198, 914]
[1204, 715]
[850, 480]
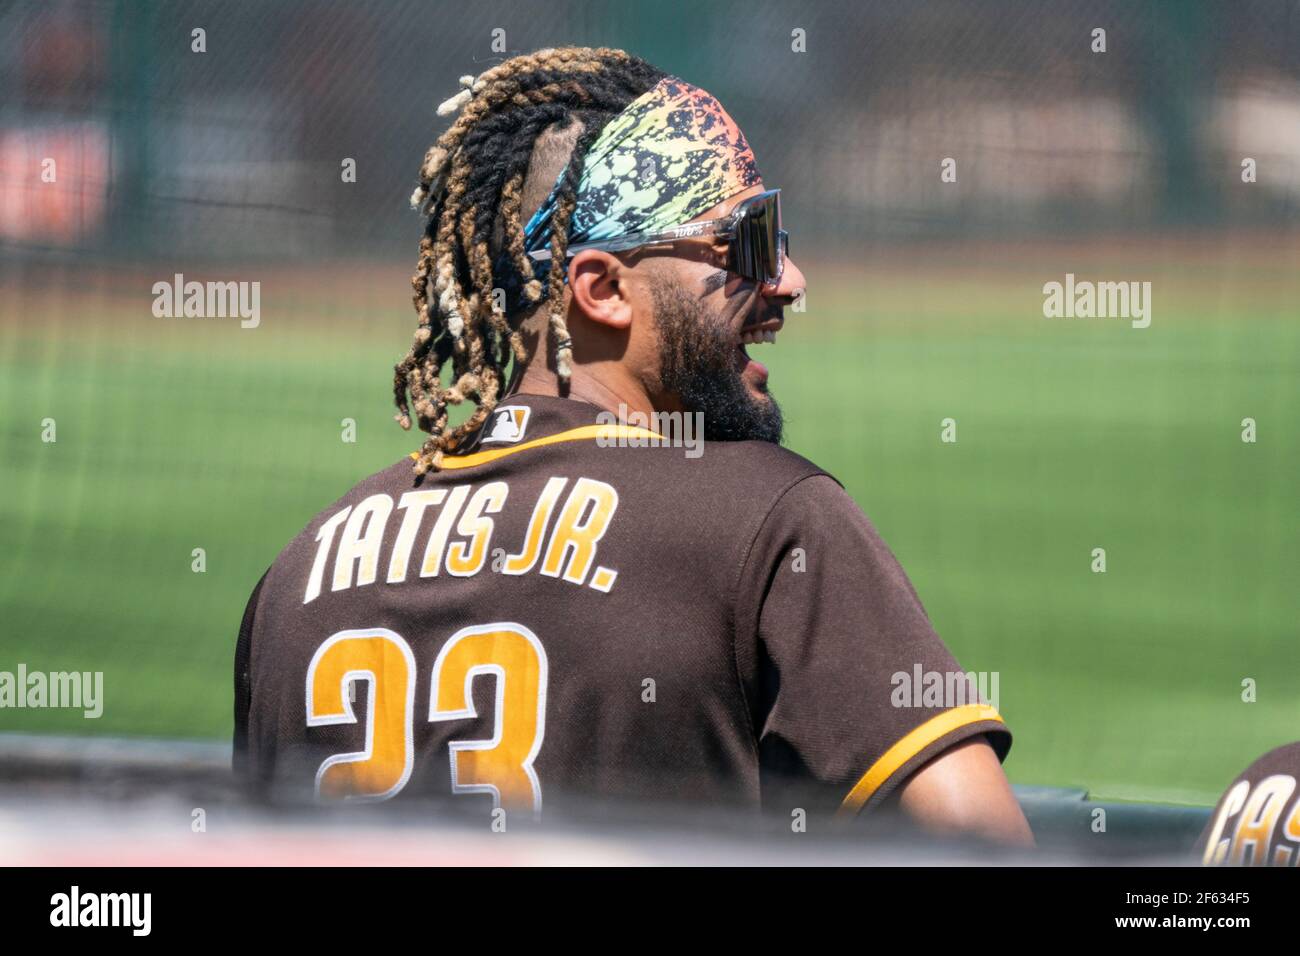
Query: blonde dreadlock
[471, 187]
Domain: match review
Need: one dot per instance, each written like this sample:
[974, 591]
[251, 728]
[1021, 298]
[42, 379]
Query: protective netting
[940, 164]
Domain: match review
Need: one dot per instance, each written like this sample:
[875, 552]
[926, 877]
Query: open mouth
[759, 333]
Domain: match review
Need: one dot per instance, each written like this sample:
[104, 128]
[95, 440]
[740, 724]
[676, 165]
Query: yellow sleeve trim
[908, 747]
[573, 434]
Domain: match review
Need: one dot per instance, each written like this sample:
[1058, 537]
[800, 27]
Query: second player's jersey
[1257, 820]
[565, 612]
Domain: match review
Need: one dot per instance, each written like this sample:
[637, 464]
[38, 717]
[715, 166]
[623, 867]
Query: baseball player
[555, 600]
[1257, 820]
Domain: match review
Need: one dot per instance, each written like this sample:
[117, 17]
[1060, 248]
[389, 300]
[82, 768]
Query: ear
[598, 283]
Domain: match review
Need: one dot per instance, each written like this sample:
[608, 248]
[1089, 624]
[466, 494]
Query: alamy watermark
[133, 911]
[672, 430]
[943, 689]
[1099, 300]
[75, 690]
[208, 300]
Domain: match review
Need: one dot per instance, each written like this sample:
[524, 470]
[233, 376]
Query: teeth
[757, 337]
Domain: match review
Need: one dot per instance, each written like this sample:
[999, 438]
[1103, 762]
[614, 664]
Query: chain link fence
[232, 141]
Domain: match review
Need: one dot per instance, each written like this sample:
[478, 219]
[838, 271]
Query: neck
[604, 391]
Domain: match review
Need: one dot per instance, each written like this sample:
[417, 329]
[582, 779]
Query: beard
[697, 360]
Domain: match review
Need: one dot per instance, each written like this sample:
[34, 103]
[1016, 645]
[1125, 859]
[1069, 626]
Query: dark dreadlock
[471, 186]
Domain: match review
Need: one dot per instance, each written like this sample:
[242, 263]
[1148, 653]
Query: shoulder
[754, 471]
[392, 481]
[788, 488]
[814, 516]
[1283, 760]
[770, 457]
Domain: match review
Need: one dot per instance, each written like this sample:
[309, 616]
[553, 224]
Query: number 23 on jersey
[501, 766]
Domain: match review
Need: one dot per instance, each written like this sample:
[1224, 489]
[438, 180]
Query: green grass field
[180, 434]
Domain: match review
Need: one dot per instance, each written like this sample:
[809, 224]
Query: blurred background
[925, 303]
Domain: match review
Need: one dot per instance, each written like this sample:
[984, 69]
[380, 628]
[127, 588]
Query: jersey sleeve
[853, 688]
[243, 683]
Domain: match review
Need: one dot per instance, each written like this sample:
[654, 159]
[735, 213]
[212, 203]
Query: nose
[792, 283]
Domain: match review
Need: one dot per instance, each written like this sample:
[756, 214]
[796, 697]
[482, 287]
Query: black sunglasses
[757, 245]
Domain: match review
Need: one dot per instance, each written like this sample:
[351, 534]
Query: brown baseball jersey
[575, 609]
[1257, 820]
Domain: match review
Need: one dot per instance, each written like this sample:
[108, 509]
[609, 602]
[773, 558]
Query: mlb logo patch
[507, 424]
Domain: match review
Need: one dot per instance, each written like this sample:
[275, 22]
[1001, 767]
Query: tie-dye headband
[672, 154]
